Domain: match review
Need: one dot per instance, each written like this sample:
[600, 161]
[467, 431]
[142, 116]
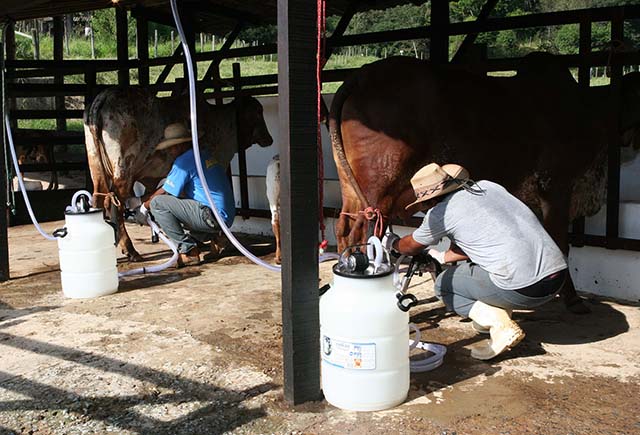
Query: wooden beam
[613, 184]
[299, 198]
[221, 54]
[174, 59]
[142, 31]
[342, 25]
[47, 114]
[439, 46]
[122, 45]
[4, 188]
[470, 39]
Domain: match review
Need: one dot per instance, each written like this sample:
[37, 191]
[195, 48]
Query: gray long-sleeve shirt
[497, 232]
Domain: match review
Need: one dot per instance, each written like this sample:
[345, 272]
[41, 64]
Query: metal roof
[213, 16]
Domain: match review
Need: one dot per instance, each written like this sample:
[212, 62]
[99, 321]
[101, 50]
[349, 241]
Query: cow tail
[335, 120]
[93, 121]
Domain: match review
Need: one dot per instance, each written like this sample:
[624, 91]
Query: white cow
[273, 194]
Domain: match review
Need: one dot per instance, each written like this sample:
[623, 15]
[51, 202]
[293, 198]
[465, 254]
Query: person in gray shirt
[514, 263]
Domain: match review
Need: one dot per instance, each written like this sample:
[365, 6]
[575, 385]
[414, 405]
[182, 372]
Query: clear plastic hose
[157, 268]
[21, 183]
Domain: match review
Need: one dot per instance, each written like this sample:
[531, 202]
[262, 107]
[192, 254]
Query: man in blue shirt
[181, 209]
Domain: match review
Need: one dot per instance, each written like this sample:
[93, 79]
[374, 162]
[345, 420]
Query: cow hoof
[278, 260]
[577, 306]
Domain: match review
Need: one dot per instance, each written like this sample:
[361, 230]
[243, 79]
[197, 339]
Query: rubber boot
[505, 333]
[485, 330]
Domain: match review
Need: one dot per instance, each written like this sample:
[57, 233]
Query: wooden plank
[470, 39]
[613, 155]
[584, 81]
[439, 48]
[543, 19]
[142, 46]
[605, 242]
[299, 199]
[4, 198]
[58, 166]
[48, 89]
[383, 36]
[170, 63]
[242, 156]
[47, 114]
[122, 45]
[49, 137]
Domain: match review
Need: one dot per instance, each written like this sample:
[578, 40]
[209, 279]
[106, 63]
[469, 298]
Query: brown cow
[123, 126]
[538, 134]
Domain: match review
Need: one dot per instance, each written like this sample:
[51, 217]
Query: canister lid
[342, 269]
[71, 212]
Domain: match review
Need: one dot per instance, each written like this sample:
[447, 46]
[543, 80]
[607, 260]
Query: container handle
[60, 232]
[404, 307]
[325, 288]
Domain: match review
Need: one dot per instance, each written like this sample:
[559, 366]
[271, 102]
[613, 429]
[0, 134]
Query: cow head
[630, 116]
[251, 126]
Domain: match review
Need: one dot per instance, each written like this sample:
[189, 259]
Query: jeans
[459, 287]
[185, 221]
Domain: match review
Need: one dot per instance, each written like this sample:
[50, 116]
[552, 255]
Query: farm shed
[296, 87]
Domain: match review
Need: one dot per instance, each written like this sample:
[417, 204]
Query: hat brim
[171, 142]
[449, 189]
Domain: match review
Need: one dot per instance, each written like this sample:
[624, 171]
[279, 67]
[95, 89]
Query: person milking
[514, 263]
[180, 207]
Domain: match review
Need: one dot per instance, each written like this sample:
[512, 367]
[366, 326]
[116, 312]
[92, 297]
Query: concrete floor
[198, 351]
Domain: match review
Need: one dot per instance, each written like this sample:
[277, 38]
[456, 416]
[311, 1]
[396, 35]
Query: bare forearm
[160, 191]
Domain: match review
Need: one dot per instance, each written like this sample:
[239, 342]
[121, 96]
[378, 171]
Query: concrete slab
[198, 351]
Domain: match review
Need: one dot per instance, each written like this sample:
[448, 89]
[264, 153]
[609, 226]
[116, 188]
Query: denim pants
[459, 287]
[185, 221]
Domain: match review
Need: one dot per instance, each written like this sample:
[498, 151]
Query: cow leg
[555, 214]
[123, 189]
[275, 224]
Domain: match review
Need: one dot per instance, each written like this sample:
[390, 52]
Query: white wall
[613, 273]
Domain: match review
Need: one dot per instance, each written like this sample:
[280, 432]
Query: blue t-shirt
[183, 179]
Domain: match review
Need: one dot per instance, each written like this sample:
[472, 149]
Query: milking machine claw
[419, 264]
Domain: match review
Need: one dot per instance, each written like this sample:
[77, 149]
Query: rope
[370, 214]
[320, 62]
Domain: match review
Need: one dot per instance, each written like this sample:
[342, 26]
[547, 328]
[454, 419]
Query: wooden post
[91, 37]
[4, 189]
[172, 43]
[36, 43]
[613, 185]
[58, 55]
[10, 41]
[142, 30]
[439, 48]
[584, 81]
[297, 92]
[122, 39]
[242, 156]
[68, 28]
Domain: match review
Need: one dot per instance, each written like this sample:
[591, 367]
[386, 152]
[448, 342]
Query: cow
[538, 134]
[123, 125]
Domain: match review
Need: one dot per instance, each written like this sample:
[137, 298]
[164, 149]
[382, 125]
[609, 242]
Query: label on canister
[347, 355]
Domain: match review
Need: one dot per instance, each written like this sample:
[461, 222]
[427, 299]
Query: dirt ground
[198, 351]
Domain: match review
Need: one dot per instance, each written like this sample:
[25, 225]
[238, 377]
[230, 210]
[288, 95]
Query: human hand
[389, 240]
[437, 255]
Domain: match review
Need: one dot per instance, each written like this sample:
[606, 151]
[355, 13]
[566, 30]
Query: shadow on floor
[220, 410]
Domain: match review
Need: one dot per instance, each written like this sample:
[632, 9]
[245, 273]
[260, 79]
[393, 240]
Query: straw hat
[173, 135]
[434, 180]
